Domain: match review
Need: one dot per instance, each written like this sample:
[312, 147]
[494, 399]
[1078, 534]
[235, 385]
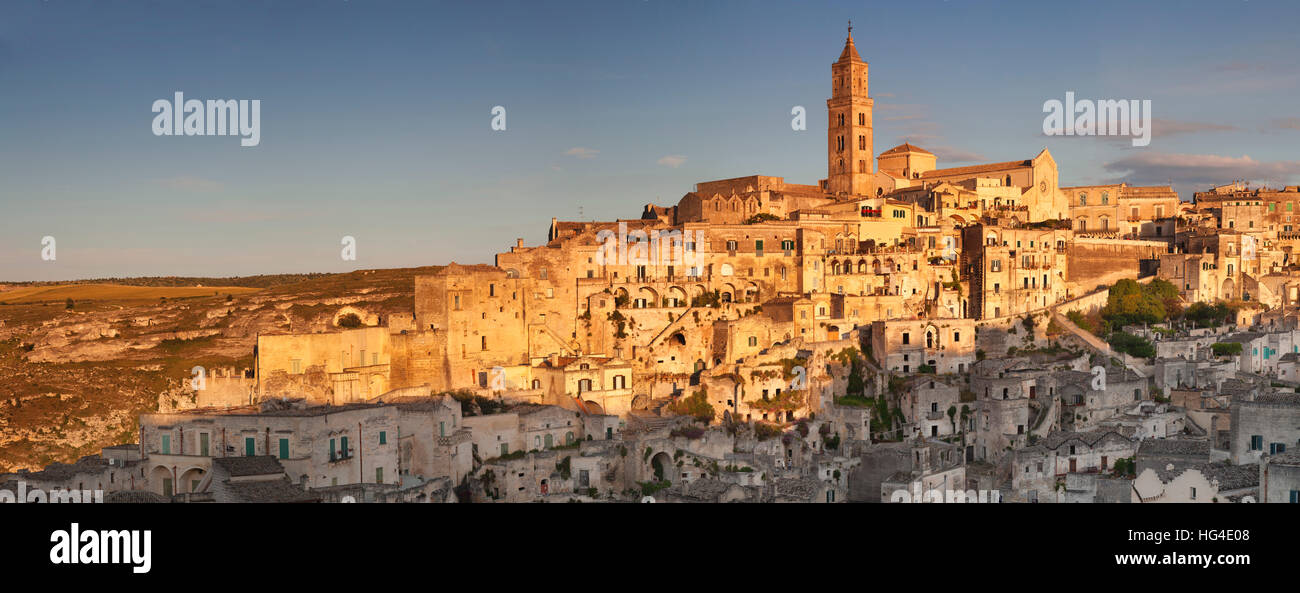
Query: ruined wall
[1093, 262]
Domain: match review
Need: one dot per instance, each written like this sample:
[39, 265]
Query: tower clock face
[1042, 186]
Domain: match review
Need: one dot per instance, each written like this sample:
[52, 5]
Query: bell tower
[850, 162]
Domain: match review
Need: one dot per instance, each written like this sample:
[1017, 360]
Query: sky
[376, 116]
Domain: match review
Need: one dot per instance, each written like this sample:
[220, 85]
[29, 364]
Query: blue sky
[375, 118]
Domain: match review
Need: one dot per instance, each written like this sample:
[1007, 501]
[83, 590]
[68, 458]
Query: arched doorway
[662, 465]
[190, 480]
[161, 480]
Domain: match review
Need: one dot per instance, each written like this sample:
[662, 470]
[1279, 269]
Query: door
[250, 446]
[1073, 466]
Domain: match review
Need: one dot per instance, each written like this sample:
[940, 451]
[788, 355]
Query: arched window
[537, 383]
[1008, 181]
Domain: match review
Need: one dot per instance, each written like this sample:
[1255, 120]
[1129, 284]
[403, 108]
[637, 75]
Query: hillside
[74, 380]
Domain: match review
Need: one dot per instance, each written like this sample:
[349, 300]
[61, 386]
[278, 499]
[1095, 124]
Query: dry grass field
[113, 292]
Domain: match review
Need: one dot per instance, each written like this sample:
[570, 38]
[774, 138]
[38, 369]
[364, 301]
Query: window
[284, 448]
[995, 265]
[343, 442]
[956, 336]
[333, 451]
[1193, 493]
[383, 437]
[907, 338]
[166, 444]
[379, 475]
[203, 444]
[1256, 442]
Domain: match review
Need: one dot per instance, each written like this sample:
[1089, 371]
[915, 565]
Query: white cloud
[582, 153]
[672, 160]
[1201, 170]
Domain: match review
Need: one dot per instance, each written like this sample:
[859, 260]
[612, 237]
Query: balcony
[341, 456]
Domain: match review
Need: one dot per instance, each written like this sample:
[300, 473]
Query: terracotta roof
[850, 52]
[976, 169]
[905, 147]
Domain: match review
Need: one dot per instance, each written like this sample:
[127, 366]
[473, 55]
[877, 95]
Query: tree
[1133, 345]
[1130, 303]
[68, 304]
[350, 320]
[696, 406]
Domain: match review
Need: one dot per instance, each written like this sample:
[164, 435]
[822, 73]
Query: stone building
[1039, 471]
[1268, 424]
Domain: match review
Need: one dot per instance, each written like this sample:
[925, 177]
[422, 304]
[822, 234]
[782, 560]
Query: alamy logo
[1098, 378]
[944, 496]
[1104, 117]
[219, 117]
[57, 495]
[74, 546]
[637, 248]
